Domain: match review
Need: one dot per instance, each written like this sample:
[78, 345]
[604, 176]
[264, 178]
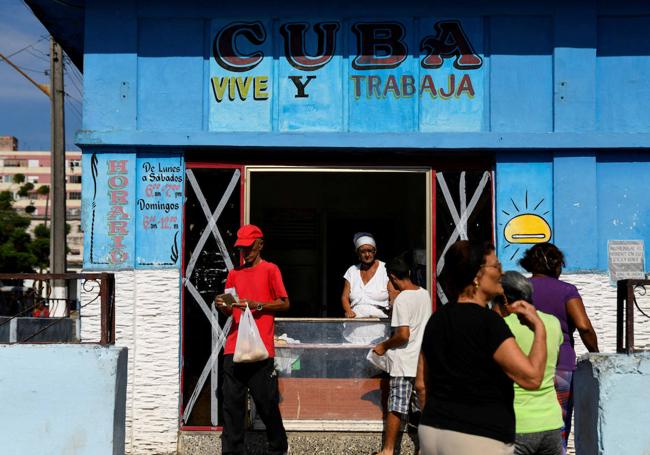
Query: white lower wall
[147, 322]
[600, 301]
[156, 384]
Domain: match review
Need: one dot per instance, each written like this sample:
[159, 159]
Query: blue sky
[25, 110]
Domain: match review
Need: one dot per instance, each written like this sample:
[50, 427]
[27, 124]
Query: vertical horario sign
[108, 218]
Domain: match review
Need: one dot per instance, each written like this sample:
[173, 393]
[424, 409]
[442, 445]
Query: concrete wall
[148, 324]
[62, 399]
[611, 406]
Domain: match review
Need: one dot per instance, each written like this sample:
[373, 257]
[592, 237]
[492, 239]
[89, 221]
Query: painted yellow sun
[528, 227]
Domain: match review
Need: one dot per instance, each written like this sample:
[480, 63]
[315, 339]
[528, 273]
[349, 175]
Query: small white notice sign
[625, 259]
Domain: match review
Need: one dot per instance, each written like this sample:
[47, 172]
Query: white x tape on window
[460, 220]
[218, 334]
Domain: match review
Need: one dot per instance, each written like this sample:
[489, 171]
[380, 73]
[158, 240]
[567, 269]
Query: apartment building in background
[35, 166]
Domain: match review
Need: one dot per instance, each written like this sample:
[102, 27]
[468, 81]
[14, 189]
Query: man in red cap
[259, 286]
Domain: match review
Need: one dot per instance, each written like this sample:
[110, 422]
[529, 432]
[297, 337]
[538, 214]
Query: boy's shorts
[401, 396]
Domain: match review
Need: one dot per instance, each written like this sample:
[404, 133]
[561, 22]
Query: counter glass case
[323, 369]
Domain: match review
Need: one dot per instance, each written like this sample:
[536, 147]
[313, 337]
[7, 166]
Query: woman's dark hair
[462, 263]
[543, 258]
[516, 287]
[399, 267]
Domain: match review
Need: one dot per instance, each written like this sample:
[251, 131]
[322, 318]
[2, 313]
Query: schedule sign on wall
[132, 211]
[158, 209]
[403, 74]
[625, 260]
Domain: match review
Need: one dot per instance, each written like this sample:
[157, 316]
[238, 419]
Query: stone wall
[148, 324]
[600, 301]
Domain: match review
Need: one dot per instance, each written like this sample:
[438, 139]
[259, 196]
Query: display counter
[326, 382]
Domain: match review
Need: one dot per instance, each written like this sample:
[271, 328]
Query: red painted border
[212, 165]
[434, 263]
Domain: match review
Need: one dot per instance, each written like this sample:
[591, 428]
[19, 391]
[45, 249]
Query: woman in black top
[469, 360]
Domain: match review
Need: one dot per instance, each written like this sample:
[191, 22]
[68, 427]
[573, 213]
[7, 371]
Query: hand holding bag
[249, 346]
[382, 362]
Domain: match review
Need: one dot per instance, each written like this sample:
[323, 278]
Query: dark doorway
[309, 218]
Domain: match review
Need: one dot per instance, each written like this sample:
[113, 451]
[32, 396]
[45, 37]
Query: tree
[26, 189]
[18, 178]
[6, 199]
[40, 246]
[16, 253]
[44, 190]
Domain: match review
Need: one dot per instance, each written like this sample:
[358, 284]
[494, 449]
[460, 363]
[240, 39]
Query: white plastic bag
[249, 347]
[382, 362]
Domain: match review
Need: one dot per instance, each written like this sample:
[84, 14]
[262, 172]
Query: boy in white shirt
[411, 311]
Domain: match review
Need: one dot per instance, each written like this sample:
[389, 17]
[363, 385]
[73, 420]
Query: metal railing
[626, 292]
[25, 295]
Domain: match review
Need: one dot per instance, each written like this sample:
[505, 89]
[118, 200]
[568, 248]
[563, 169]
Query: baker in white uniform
[365, 293]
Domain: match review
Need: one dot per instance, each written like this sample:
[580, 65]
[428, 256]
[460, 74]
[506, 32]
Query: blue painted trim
[575, 207]
[368, 140]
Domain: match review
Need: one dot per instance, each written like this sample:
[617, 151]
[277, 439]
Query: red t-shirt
[261, 283]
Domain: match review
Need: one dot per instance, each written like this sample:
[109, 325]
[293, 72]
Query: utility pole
[57, 131]
[57, 165]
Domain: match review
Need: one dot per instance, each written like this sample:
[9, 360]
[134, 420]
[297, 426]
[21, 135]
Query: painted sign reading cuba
[383, 75]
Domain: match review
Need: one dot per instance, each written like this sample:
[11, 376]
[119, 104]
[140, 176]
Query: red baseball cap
[247, 234]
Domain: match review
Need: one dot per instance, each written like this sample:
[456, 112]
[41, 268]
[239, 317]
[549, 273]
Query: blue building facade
[554, 93]
[518, 122]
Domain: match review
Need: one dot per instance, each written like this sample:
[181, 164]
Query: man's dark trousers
[262, 381]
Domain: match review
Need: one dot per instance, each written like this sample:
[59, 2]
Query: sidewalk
[313, 443]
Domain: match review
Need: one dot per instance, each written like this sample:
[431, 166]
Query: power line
[33, 70]
[75, 109]
[70, 99]
[40, 57]
[74, 84]
[69, 65]
[44, 54]
[79, 80]
[42, 87]
[28, 46]
[74, 72]
[71, 96]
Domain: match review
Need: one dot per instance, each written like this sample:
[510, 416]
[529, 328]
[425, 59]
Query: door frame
[430, 196]
[199, 165]
[246, 179]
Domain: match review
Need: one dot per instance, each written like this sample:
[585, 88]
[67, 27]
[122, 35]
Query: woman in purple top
[562, 300]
